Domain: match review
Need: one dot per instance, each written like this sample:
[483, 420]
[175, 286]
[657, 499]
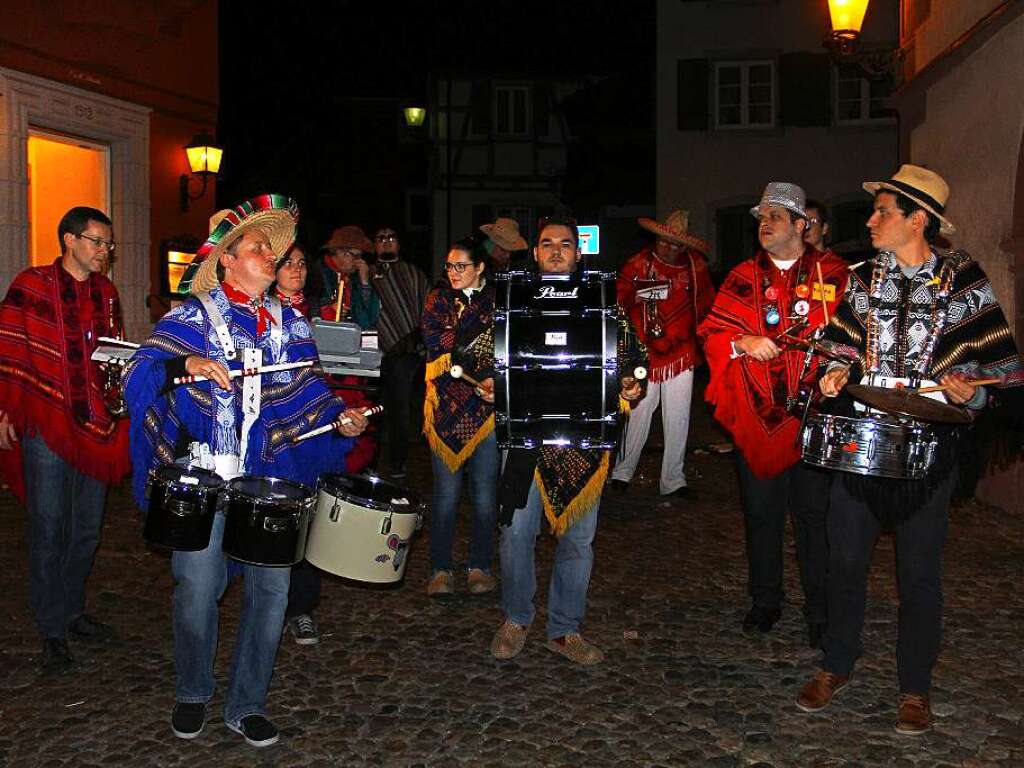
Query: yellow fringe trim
[624, 405]
[578, 506]
[436, 369]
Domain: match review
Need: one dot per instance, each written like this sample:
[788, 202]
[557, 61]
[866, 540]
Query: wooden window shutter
[692, 94]
[542, 104]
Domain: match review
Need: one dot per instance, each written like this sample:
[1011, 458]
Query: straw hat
[924, 187]
[675, 230]
[785, 195]
[348, 237]
[276, 215]
[505, 232]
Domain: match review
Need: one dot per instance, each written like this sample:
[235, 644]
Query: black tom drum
[182, 505]
[265, 520]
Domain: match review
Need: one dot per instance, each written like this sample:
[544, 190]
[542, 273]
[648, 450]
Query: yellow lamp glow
[414, 116]
[203, 155]
[177, 261]
[847, 17]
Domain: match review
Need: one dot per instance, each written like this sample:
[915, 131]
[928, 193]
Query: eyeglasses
[99, 242]
[457, 266]
[388, 238]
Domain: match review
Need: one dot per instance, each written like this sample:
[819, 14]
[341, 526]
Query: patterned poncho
[455, 418]
[690, 297]
[166, 418]
[749, 397]
[49, 323]
[402, 288]
[975, 340]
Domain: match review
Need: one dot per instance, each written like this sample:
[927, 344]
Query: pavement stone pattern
[402, 680]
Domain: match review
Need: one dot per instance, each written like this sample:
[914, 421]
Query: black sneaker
[257, 730]
[761, 619]
[86, 628]
[618, 486]
[188, 719]
[56, 658]
[303, 628]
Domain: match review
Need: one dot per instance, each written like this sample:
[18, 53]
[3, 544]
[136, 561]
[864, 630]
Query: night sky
[306, 90]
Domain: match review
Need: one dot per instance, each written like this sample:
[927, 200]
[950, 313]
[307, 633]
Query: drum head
[370, 492]
[269, 489]
[172, 474]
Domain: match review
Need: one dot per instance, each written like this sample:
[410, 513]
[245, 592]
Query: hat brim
[674, 237]
[508, 243]
[946, 227]
[275, 215]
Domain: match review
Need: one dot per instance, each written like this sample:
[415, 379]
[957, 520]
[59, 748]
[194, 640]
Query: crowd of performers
[794, 322]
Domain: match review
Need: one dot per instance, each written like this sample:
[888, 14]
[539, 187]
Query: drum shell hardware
[880, 447]
[556, 376]
[362, 528]
[266, 520]
[182, 504]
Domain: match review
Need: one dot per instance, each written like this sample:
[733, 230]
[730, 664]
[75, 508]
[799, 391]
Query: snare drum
[881, 447]
[362, 528]
[265, 520]
[182, 505]
[556, 378]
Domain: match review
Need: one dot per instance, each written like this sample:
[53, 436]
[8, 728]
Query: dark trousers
[804, 492]
[65, 516]
[852, 531]
[304, 590]
[399, 372]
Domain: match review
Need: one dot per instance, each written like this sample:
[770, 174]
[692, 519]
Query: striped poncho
[164, 418]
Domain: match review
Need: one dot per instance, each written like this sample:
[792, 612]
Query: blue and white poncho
[165, 419]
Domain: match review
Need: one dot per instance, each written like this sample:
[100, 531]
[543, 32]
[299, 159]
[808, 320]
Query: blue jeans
[570, 574]
[65, 516]
[482, 468]
[200, 579]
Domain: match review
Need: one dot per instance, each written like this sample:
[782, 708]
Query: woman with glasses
[458, 416]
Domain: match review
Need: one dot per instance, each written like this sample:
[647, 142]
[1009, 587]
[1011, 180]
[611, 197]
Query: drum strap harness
[252, 357]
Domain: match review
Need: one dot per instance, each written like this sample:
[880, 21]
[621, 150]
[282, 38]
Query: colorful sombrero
[276, 215]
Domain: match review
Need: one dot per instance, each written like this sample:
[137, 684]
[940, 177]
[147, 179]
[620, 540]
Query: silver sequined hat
[786, 195]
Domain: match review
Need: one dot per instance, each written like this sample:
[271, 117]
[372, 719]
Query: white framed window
[744, 94]
[860, 99]
[512, 110]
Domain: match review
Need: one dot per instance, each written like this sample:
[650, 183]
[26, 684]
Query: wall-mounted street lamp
[176, 254]
[414, 116]
[204, 161]
[847, 18]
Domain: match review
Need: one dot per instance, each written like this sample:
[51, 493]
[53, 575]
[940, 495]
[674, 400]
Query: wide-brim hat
[785, 195]
[674, 230]
[346, 237]
[924, 187]
[505, 232]
[275, 215]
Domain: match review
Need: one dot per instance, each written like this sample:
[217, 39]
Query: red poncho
[49, 323]
[749, 397]
[690, 296]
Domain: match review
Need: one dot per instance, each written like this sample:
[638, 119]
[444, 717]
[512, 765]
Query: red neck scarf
[255, 305]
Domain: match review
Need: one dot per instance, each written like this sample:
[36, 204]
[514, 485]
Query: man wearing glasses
[402, 289]
[59, 446]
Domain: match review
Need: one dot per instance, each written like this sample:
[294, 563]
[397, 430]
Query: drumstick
[457, 373]
[177, 380]
[944, 387]
[329, 427]
[117, 342]
[337, 304]
[821, 289]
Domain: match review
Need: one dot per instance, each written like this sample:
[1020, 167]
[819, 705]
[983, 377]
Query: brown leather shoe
[819, 690]
[915, 714]
[575, 648]
[441, 584]
[480, 582]
[508, 640]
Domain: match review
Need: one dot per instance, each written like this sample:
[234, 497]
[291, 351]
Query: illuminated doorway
[63, 172]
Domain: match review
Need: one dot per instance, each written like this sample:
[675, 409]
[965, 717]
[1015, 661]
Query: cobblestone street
[400, 680]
